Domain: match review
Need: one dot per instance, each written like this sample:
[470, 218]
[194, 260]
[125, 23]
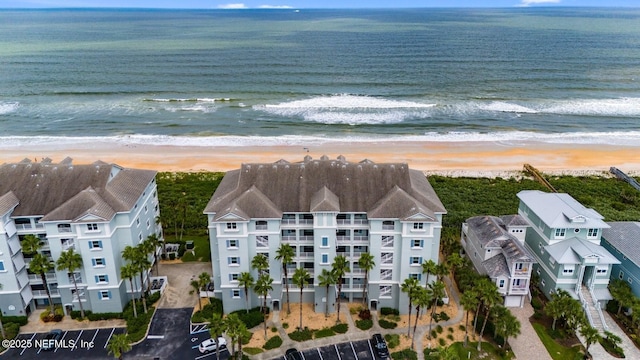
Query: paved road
[350, 350]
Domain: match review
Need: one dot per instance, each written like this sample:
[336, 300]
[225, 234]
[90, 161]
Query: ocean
[241, 77]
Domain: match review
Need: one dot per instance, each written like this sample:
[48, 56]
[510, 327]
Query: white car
[210, 345]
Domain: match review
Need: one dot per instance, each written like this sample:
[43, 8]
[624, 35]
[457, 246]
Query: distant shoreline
[448, 158]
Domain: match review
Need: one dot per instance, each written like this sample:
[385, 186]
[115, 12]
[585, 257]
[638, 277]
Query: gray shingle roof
[7, 202]
[496, 266]
[572, 251]
[358, 187]
[491, 231]
[67, 192]
[558, 210]
[625, 237]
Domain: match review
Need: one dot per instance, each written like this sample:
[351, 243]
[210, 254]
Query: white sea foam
[596, 107]
[510, 138]
[8, 107]
[502, 106]
[187, 100]
[348, 109]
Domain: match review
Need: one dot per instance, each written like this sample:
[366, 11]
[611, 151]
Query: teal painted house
[565, 240]
[622, 239]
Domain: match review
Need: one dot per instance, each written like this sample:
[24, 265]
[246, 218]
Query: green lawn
[557, 351]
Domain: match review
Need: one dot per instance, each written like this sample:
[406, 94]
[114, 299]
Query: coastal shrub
[536, 303]
[11, 330]
[442, 342]
[387, 324]
[20, 320]
[301, 335]
[439, 329]
[137, 326]
[364, 314]
[393, 340]
[246, 337]
[251, 319]
[252, 350]
[389, 311]
[285, 325]
[340, 328]
[450, 329]
[273, 343]
[172, 256]
[462, 328]
[450, 337]
[274, 329]
[364, 324]
[434, 334]
[444, 316]
[406, 354]
[322, 333]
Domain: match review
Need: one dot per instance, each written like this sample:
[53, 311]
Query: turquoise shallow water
[269, 76]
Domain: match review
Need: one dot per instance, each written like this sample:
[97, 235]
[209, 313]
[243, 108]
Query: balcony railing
[288, 221]
[306, 255]
[305, 221]
[361, 222]
[29, 227]
[305, 238]
[521, 272]
[387, 259]
[344, 221]
[261, 227]
[388, 227]
[387, 241]
[43, 293]
[37, 278]
[68, 245]
[78, 279]
[288, 238]
[360, 237]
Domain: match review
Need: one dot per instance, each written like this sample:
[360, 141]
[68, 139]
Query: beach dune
[426, 156]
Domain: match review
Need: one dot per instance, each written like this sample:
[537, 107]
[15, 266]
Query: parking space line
[94, 335]
[371, 349]
[61, 340]
[337, 352]
[301, 354]
[109, 338]
[354, 350]
[319, 353]
[31, 341]
[75, 346]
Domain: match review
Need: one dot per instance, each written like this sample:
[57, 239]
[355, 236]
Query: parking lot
[79, 344]
[354, 350]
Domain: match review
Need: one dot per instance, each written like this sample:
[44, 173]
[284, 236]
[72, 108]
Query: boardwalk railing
[622, 176]
[538, 176]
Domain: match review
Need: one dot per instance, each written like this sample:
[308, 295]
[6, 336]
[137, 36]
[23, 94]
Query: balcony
[362, 238]
[261, 227]
[305, 238]
[388, 227]
[43, 293]
[77, 277]
[29, 227]
[361, 222]
[305, 255]
[288, 238]
[344, 221]
[386, 259]
[68, 245]
[522, 272]
[305, 222]
[387, 241]
[37, 279]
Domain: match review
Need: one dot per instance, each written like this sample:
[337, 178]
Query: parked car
[50, 339]
[210, 345]
[293, 354]
[380, 346]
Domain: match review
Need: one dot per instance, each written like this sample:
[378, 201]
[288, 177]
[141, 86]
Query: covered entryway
[276, 305]
[374, 305]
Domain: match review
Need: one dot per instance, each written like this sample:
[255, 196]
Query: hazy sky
[300, 4]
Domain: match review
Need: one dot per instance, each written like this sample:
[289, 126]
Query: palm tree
[118, 345]
[204, 279]
[245, 280]
[437, 293]
[367, 264]
[429, 268]
[31, 244]
[339, 267]
[422, 299]
[300, 278]
[139, 262]
[442, 270]
[260, 263]
[469, 301]
[216, 328]
[235, 329]
[556, 308]
[128, 272]
[482, 286]
[326, 279]
[621, 292]
[409, 286]
[41, 265]
[490, 299]
[195, 288]
[262, 287]
[455, 261]
[510, 327]
[71, 261]
[153, 242]
[285, 255]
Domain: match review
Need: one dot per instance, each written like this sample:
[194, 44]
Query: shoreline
[431, 157]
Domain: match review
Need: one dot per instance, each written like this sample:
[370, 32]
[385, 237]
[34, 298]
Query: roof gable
[324, 200]
[559, 210]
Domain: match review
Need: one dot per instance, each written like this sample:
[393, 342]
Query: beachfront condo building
[565, 239]
[323, 208]
[95, 209]
[495, 246]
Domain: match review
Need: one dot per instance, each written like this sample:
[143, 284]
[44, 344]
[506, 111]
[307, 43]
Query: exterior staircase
[590, 308]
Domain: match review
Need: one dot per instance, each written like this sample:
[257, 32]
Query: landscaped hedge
[406, 354]
[340, 328]
[206, 314]
[364, 324]
[273, 343]
[251, 319]
[20, 320]
[322, 333]
[389, 311]
[57, 317]
[387, 324]
[301, 335]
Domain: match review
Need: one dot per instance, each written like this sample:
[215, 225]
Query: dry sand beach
[451, 158]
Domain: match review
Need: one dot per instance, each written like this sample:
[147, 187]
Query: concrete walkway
[527, 346]
[35, 325]
[598, 352]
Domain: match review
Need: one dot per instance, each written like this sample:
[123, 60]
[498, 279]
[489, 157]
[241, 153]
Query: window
[415, 260]
[232, 226]
[387, 225]
[621, 275]
[417, 243]
[542, 282]
[98, 262]
[325, 259]
[568, 269]
[630, 280]
[138, 222]
[145, 208]
[576, 231]
[538, 271]
[233, 277]
[140, 236]
[519, 266]
[92, 227]
[232, 244]
[148, 223]
[560, 233]
[385, 291]
[235, 293]
[102, 279]
[95, 245]
[501, 283]
[233, 261]
[2, 266]
[416, 276]
[261, 225]
[64, 227]
[105, 295]
[601, 270]
[592, 233]
[325, 241]
[418, 226]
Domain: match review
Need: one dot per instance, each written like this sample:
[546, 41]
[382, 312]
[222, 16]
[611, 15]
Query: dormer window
[418, 226]
[232, 226]
[92, 227]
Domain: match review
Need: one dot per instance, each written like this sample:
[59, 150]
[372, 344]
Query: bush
[137, 327]
[393, 340]
[273, 343]
[406, 354]
[536, 303]
[450, 329]
[326, 332]
[462, 328]
[182, 247]
[434, 334]
[11, 329]
[172, 256]
[450, 337]
[206, 314]
[252, 350]
[364, 324]
[387, 324]
[439, 329]
[274, 329]
[58, 314]
[364, 314]
[20, 320]
[285, 325]
[246, 337]
[340, 328]
[301, 335]
[442, 342]
[251, 319]
[444, 316]
[389, 311]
